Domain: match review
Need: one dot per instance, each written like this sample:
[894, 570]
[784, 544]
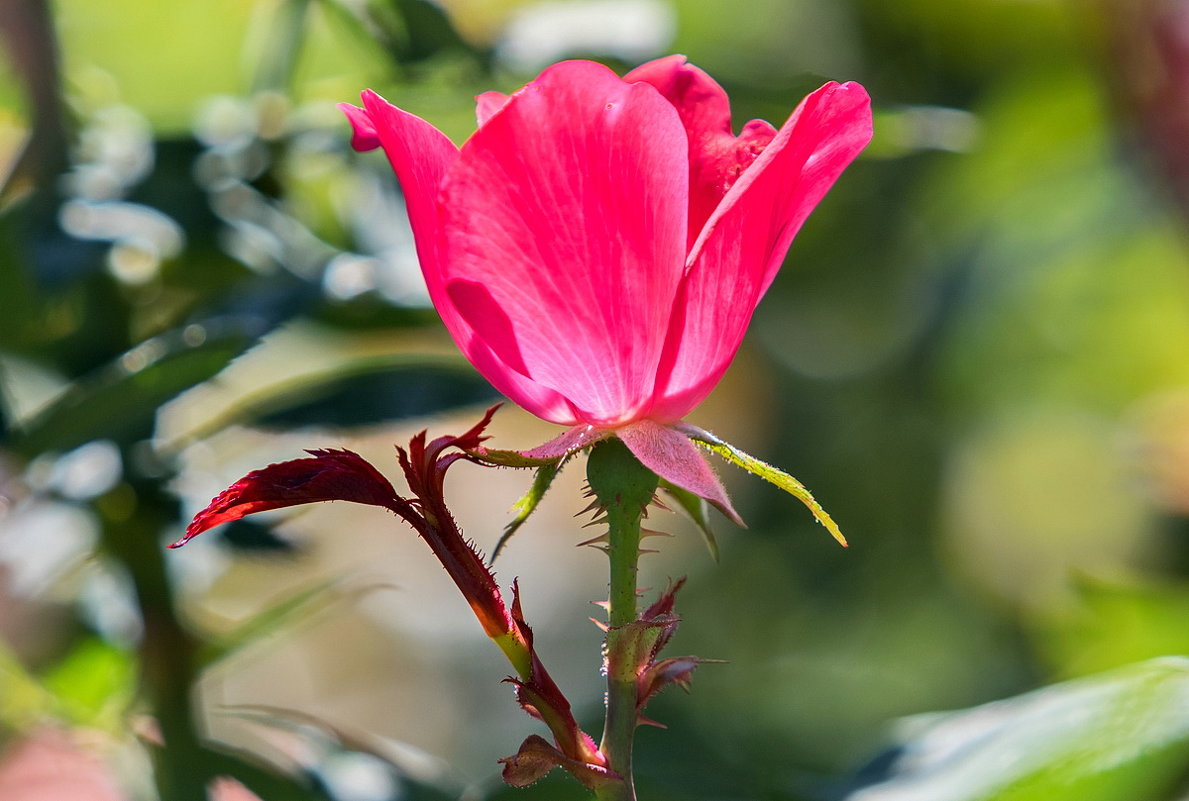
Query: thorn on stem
[590, 507]
[593, 540]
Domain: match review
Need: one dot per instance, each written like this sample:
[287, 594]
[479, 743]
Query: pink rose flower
[598, 246]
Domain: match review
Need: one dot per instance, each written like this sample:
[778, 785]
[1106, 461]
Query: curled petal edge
[363, 130]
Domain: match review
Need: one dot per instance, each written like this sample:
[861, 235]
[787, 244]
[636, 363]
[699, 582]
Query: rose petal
[702, 104]
[716, 156]
[420, 156]
[563, 234]
[363, 137]
[487, 104]
[744, 242]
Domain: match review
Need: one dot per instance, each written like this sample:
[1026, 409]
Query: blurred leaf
[172, 189]
[366, 392]
[94, 684]
[120, 402]
[416, 791]
[264, 782]
[253, 536]
[405, 759]
[57, 304]
[408, 31]
[303, 602]
[428, 30]
[371, 311]
[25, 701]
[698, 510]
[37, 248]
[163, 57]
[1116, 625]
[18, 323]
[286, 35]
[1118, 736]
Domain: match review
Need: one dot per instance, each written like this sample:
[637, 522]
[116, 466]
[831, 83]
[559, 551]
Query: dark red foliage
[537, 757]
[340, 475]
[329, 475]
[541, 698]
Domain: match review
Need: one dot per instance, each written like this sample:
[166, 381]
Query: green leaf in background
[94, 685]
[25, 701]
[1114, 624]
[366, 392]
[252, 536]
[428, 31]
[327, 740]
[1117, 736]
[57, 304]
[262, 781]
[302, 604]
[120, 401]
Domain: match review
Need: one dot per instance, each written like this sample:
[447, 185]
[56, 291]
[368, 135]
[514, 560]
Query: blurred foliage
[976, 356]
[1121, 734]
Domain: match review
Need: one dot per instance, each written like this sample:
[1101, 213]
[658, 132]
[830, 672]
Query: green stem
[619, 729]
[624, 488]
[133, 515]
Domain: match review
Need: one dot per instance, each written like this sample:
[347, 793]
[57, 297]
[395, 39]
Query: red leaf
[663, 605]
[537, 757]
[331, 475]
[677, 670]
[541, 698]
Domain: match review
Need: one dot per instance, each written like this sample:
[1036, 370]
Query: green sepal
[698, 510]
[767, 472]
[500, 458]
[529, 502]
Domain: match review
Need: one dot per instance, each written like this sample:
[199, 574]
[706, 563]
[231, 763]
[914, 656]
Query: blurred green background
[977, 356]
